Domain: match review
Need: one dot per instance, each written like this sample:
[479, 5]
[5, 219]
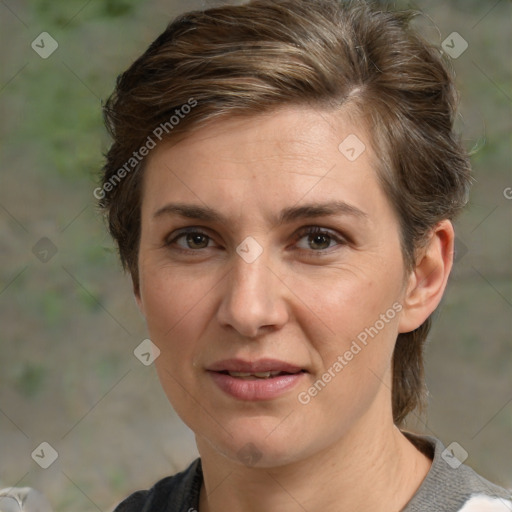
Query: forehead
[292, 132]
[274, 158]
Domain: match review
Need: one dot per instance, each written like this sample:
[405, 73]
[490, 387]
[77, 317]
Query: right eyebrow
[190, 211]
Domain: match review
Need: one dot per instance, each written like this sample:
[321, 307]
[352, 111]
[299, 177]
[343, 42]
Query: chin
[254, 447]
[261, 454]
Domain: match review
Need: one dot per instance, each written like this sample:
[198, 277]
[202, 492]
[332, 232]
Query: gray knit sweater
[454, 487]
[448, 487]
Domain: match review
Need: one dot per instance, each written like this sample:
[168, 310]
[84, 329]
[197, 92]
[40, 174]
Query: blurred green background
[69, 325]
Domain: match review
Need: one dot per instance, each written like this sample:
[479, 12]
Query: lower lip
[256, 389]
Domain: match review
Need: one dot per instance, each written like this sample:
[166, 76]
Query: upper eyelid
[189, 229]
[314, 229]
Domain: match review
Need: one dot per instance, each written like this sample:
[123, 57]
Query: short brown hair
[267, 54]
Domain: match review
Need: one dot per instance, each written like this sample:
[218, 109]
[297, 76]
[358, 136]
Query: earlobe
[428, 280]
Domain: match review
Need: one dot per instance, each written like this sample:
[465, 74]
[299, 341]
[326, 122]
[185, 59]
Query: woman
[281, 186]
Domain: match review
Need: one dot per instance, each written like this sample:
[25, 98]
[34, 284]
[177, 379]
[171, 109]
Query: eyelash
[303, 232]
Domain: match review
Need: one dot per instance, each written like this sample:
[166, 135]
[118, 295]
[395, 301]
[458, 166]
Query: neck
[368, 469]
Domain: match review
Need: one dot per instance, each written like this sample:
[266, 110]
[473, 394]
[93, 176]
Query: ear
[427, 282]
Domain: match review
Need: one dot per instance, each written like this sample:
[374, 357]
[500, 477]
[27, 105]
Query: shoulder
[451, 486]
[178, 493]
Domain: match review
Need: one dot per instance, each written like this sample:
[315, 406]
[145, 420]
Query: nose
[253, 299]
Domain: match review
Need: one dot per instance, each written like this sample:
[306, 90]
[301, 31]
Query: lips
[264, 379]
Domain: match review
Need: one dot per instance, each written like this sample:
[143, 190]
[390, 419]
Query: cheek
[345, 304]
[174, 306]
[176, 318]
[353, 329]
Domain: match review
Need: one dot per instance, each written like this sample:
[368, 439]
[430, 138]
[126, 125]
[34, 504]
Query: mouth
[264, 379]
[259, 375]
[258, 369]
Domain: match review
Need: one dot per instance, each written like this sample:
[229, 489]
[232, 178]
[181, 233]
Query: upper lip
[260, 365]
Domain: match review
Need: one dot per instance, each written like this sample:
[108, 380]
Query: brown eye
[318, 239]
[319, 242]
[197, 240]
[191, 239]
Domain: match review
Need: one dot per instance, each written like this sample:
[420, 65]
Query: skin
[303, 300]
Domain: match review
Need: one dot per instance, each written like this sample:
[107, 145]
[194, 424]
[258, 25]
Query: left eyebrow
[313, 210]
[287, 215]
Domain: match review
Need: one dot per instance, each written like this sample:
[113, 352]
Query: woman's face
[267, 245]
